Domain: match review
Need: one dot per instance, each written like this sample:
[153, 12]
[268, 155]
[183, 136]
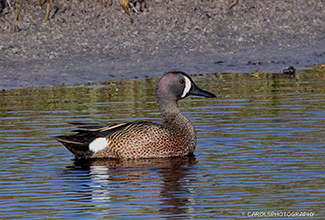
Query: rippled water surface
[260, 149]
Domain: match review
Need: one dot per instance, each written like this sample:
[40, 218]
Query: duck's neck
[173, 118]
[178, 124]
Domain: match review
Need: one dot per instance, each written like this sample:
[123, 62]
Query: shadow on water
[111, 182]
[260, 147]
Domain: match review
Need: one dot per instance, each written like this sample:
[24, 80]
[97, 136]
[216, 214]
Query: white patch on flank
[188, 86]
[98, 144]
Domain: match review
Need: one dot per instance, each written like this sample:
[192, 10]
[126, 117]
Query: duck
[174, 137]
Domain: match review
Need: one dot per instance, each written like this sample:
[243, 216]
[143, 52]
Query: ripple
[260, 147]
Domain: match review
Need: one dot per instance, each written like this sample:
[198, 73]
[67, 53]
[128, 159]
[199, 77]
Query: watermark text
[272, 214]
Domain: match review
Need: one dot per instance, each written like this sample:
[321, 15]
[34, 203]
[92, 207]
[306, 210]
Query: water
[260, 152]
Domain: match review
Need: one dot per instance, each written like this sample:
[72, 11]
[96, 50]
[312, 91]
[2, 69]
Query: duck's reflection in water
[163, 185]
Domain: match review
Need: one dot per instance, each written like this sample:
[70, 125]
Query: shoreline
[100, 44]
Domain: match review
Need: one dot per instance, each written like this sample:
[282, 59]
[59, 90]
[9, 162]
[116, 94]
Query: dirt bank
[84, 42]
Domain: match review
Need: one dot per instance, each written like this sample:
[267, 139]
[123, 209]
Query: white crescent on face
[187, 87]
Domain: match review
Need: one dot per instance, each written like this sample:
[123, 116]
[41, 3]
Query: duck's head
[174, 86]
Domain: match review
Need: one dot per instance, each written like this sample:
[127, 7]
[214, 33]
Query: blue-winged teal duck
[175, 136]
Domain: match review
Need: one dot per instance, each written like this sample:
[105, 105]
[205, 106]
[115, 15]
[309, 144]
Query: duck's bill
[200, 92]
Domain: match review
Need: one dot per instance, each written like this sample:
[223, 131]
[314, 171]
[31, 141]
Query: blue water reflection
[260, 149]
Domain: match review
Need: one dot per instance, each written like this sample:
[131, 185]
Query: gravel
[83, 42]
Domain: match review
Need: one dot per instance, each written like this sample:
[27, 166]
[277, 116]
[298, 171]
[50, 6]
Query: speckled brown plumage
[175, 136]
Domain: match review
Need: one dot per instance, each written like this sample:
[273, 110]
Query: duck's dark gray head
[178, 85]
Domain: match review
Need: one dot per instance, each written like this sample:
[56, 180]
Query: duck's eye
[181, 81]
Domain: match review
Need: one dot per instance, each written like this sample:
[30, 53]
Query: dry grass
[17, 15]
[125, 5]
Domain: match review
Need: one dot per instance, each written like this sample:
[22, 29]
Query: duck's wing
[79, 143]
[94, 127]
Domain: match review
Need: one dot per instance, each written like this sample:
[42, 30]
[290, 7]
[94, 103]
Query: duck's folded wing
[79, 143]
